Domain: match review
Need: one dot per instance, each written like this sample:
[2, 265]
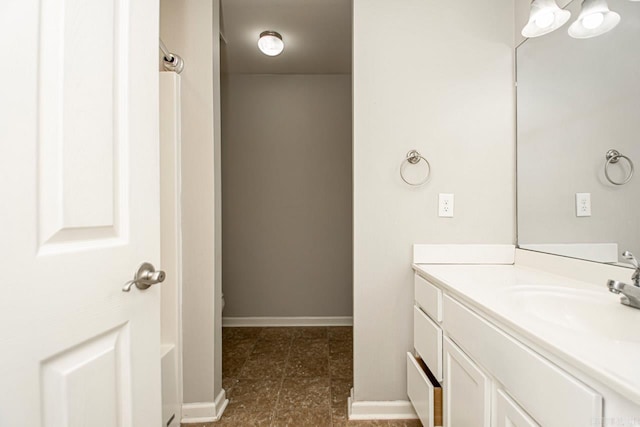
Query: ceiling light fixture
[545, 17]
[594, 19]
[270, 43]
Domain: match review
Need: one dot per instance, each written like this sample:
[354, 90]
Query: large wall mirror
[578, 99]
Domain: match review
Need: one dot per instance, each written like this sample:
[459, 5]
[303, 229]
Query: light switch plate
[445, 205]
[583, 204]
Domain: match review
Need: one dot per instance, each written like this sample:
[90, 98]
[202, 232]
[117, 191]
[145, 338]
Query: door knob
[145, 277]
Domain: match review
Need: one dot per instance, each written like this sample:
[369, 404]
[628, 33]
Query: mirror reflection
[578, 99]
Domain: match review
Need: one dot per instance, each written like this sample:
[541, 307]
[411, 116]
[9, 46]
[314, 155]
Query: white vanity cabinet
[424, 368]
[488, 377]
[509, 414]
[467, 390]
[427, 341]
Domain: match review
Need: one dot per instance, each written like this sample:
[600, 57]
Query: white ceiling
[316, 33]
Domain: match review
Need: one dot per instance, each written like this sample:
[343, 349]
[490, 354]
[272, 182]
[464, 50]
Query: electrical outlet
[583, 204]
[445, 205]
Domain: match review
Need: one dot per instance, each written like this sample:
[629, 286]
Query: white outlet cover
[583, 204]
[445, 205]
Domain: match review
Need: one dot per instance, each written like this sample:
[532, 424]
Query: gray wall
[287, 195]
[439, 78]
[576, 100]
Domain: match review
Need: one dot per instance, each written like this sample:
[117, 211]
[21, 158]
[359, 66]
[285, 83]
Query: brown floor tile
[340, 366]
[263, 366]
[344, 348]
[200, 425]
[277, 349]
[241, 417]
[231, 366]
[303, 417]
[304, 393]
[310, 347]
[278, 377]
[340, 391]
[311, 332]
[238, 348]
[405, 423]
[254, 395]
[240, 333]
[274, 334]
[228, 383]
[339, 413]
[340, 333]
[361, 423]
[307, 366]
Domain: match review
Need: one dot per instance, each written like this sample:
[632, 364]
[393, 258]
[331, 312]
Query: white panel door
[467, 390]
[79, 190]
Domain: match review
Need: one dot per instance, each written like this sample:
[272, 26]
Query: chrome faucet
[636, 275]
[631, 293]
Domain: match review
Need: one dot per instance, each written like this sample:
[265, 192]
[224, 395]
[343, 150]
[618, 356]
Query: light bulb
[545, 16]
[270, 43]
[544, 19]
[593, 21]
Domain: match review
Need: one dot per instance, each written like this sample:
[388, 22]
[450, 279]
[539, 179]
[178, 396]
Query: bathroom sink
[585, 312]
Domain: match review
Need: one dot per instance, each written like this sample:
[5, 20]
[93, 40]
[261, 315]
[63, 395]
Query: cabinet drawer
[427, 340]
[528, 376]
[429, 298]
[424, 392]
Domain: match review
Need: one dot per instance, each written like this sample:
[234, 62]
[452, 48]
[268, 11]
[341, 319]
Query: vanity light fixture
[545, 16]
[270, 43]
[594, 19]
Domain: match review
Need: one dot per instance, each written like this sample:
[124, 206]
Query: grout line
[284, 375]
[330, 380]
[248, 355]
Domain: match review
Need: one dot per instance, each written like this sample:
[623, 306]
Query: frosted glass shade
[270, 43]
[545, 17]
[594, 19]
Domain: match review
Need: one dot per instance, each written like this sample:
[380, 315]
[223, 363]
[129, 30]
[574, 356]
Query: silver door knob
[145, 277]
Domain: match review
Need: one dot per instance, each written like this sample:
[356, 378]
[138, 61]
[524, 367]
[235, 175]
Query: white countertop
[580, 323]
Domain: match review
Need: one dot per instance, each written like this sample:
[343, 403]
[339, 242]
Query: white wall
[435, 76]
[190, 28]
[287, 195]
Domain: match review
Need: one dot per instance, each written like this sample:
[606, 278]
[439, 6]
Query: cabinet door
[467, 390]
[509, 414]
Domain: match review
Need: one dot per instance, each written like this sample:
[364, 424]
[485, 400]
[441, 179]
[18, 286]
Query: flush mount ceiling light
[594, 19]
[545, 17]
[270, 43]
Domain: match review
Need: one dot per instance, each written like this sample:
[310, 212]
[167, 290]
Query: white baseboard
[287, 321]
[204, 412]
[380, 410]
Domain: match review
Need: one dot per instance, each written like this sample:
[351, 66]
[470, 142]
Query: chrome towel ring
[413, 158]
[614, 156]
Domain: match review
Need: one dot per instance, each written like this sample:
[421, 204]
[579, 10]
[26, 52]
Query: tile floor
[279, 377]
